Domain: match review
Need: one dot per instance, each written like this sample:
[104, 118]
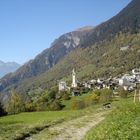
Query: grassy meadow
[68, 103]
[123, 123]
[15, 126]
[24, 124]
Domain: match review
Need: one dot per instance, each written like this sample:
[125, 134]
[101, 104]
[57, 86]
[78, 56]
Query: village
[129, 82]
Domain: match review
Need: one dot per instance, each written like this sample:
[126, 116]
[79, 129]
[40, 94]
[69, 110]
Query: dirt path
[71, 130]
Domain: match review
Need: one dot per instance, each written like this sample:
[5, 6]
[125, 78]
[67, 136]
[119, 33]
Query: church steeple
[74, 84]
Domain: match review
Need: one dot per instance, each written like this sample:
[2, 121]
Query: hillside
[8, 67]
[47, 59]
[93, 62]
[94, 52]
[127, 21]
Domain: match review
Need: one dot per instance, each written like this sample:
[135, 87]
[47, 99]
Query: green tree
[92, 99]
[15, 104]
[55, 105]
[64, 95]
[52, 95]
[44, 97]
[30, 107]
[2, 111]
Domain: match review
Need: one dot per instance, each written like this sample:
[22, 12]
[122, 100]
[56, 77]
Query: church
[74, 83]
[63, 86]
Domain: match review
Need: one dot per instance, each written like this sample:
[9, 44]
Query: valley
[85, 86]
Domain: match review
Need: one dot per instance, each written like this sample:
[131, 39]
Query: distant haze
[8, 67]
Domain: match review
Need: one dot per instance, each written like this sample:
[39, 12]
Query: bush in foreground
[78, 104]
[106, 95]
[55, 105]
[122, 93]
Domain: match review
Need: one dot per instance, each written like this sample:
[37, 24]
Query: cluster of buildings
[128, 82]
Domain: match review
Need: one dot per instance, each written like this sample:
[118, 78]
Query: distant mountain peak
[7, 67]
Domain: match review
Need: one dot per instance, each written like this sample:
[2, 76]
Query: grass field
[15, 126]
[68, 103]
[21, 125]
[122, 124]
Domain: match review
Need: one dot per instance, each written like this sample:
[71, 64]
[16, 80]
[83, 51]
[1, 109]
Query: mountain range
[92, 51]
[8, 67]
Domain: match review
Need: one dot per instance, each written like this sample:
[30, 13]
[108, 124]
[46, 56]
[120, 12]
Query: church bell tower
[74, 84]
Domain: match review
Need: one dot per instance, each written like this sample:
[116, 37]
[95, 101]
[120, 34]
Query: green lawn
[122, 124]
[14, 126]
[68, 103]
[17, 125]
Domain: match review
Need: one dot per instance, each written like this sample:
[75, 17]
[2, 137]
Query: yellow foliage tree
[15, 104]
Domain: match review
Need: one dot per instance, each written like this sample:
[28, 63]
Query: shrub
[123, 93]
[30, 107]
[97, 92]
[44, 97]
[55, 105]
[64, 95]
[78, 104]
[35, 94]
[92, 99]
[52, 95]
[40, 106]
[106, 95]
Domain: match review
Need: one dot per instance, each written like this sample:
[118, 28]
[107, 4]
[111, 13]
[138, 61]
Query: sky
[27, 27]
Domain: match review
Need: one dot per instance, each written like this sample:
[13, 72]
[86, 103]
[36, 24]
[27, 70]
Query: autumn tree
[15, 104]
